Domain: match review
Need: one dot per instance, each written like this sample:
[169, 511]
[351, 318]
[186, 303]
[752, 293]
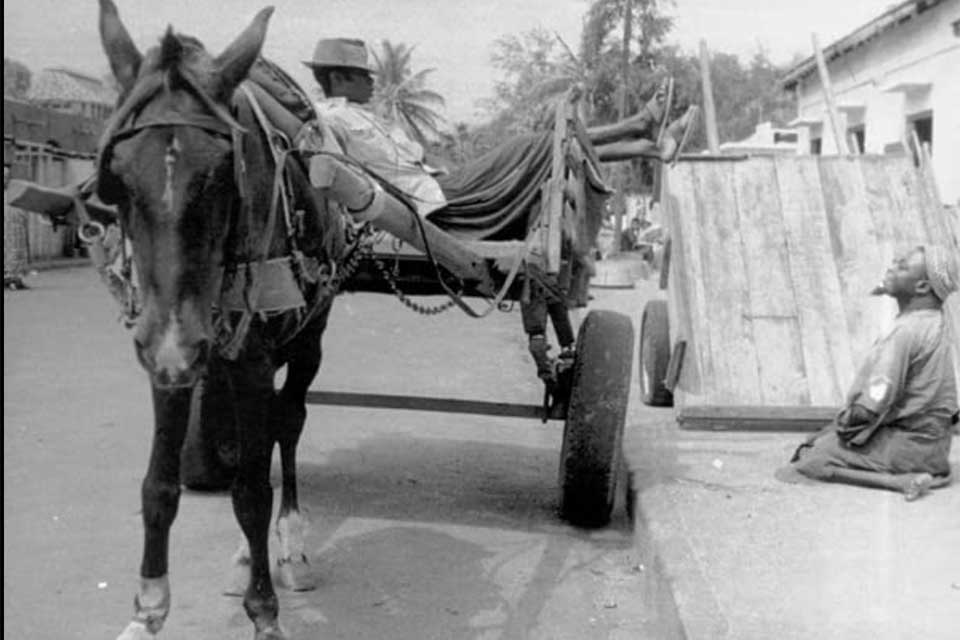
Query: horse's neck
[262, 213]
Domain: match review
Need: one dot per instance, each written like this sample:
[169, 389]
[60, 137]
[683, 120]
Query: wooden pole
[624, 82]
[828, 97]
[625, 60]
[709, 109]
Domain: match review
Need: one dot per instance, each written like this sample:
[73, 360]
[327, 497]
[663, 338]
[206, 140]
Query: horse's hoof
[136, 631]
[295, 574]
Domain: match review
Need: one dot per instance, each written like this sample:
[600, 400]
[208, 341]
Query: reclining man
[895, 431]
[341, 68]
[490, 198]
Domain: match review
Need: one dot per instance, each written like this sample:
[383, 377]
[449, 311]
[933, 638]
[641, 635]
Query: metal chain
[402, 297]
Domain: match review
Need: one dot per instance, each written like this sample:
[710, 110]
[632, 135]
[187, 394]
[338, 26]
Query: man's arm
[883, 388]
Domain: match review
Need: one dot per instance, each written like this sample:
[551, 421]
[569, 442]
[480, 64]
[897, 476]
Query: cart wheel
[208, 457]
[654, 356]
[593, 432]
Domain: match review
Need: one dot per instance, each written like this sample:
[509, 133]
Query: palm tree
[401, 95]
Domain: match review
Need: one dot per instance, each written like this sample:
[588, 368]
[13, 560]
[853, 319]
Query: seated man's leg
[673, 141]
[641, 125]
[826, 458]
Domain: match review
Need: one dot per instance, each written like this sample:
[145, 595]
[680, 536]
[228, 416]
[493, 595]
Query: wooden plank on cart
[771, 305]
[824, 340]
[755, 418]
[731, 349]
[856, 252]
[686, 294]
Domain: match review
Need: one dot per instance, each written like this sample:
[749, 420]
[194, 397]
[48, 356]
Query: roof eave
[863, 34]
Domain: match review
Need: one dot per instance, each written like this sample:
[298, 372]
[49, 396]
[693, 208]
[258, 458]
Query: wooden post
[828, 97]
[622, 173]
[709, 109]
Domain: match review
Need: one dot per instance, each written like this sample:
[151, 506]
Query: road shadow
[399, 477]
[427, 538]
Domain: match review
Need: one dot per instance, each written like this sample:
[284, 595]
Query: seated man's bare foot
[677, 134]
[916, 485]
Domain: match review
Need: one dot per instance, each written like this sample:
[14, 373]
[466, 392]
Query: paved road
[424, 525]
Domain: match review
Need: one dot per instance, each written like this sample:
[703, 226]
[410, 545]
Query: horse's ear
[235, 61]
[123, 55]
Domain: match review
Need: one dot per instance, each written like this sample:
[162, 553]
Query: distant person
[895, 430]
[630, 237]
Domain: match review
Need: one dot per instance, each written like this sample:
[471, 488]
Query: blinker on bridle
[218, 122]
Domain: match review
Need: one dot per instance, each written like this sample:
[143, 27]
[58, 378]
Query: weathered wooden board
[686, 281]
[815, 281]
[772, 306]
[772, 265]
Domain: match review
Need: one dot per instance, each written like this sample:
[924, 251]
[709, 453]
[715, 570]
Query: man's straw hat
[340, 52]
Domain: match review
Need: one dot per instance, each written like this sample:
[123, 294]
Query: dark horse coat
[194, 179]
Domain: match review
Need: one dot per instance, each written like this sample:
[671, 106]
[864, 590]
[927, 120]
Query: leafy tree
[401, 95]
[16, 78]
[744, 95]
[601, 48]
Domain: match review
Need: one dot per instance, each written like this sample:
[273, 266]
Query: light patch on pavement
[407, 578]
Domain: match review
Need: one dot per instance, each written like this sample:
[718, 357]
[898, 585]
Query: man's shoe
[677, 134]
[667, 88]
[658, 107]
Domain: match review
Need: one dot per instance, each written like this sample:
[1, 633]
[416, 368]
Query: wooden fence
[773, 260]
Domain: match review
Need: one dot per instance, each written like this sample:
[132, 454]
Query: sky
[453, 36]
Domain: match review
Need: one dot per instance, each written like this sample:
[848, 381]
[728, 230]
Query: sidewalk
[750, 557]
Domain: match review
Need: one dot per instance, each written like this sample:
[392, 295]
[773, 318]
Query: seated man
[895, 431]
[482, 200]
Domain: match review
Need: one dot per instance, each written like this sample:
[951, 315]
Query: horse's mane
[176, 54]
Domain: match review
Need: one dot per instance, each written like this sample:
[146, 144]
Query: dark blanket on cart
[491, 198]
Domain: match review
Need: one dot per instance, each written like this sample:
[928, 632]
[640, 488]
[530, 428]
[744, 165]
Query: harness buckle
[91, 231]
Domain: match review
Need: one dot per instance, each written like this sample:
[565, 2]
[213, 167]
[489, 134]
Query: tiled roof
[68, 85]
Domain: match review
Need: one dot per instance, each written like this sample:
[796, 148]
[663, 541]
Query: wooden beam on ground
[421, 403]
[709, 109]
[755, 418]
[828, 97]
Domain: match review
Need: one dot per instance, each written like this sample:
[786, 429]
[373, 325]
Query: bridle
[126, 123]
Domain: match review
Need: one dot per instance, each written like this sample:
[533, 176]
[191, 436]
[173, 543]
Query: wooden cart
[771, 263]
[592, 392]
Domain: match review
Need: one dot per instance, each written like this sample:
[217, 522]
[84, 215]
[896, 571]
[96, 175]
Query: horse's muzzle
[173, 366]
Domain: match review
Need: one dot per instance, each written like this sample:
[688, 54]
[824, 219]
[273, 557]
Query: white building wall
[881, 84]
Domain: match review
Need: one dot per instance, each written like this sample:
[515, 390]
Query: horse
[196, 184]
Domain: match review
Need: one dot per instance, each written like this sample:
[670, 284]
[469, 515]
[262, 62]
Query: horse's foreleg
[293, 567]
[253, 504]
[160, 496]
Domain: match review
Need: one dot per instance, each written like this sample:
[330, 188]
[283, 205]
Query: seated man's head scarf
[942, 271]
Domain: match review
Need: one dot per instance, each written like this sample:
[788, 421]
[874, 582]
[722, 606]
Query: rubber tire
[654, 355]
[592, 451]
[207, 458]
